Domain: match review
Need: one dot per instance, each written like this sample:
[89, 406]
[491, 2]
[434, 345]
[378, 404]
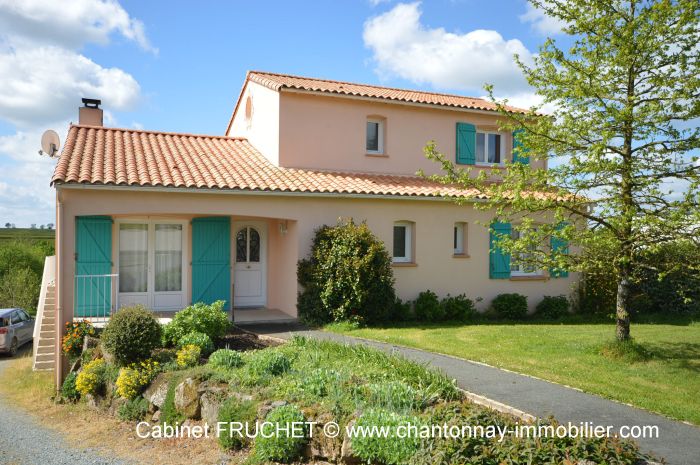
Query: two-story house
[167, 219]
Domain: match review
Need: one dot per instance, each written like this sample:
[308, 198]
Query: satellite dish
[50, 143]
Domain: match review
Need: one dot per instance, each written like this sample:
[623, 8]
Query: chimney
[91, 113]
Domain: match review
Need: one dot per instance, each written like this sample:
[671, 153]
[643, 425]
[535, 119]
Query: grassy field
[26, 233]
[659, 372]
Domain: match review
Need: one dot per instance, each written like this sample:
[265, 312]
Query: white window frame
[486, 148]
[380, 136]
[516, 268]
[408, 228]
[459, 235]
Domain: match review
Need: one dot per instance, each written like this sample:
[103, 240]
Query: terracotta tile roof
[129, 157]
[285, 81]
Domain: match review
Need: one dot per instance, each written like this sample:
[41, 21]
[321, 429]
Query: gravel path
[678, 443]
[23, 441]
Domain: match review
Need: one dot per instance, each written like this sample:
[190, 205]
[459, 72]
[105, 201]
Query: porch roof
[130, 157]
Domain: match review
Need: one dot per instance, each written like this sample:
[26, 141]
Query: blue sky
[179, 65]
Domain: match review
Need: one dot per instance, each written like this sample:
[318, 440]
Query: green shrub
[168, 413]
[552, 307]
[400, 311]
[390, 450]
[347, 277]
[201, 340]
[211, 320]
[284, 446]
[131, 335]
[68, 389]
[188, 356]
[133, 409]
[428, 308]
[226, 359]
[458, 307]
[234, 409]
[92, 378]
[391, 395]
[510, 306]
[318, 383]
[269, 362]
[75, 332]
[132, 380]
[20, 287]
[164, 356]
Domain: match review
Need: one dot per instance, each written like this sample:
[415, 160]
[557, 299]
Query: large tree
[621, 140]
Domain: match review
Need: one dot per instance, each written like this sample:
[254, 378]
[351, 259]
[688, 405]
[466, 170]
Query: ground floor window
[519, 265]
[403, 242]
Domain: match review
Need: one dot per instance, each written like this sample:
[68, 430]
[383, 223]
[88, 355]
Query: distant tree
[8, 225]
[33, 226]
[49, 226]
[42, 226]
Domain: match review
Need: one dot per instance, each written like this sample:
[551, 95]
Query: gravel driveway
[23, 441]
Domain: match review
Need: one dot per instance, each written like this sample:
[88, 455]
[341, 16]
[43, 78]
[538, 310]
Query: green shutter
[558, 246]
[499, 261]
[211, 260]
[519, 155]
[466, 144]
[93, 261]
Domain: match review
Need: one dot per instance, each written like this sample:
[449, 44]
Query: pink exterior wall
[257, 119]
[328, 132]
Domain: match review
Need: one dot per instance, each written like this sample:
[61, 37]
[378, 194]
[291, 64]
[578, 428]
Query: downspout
[59, 294]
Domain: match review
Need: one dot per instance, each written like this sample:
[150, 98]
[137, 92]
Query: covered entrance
[250, 269]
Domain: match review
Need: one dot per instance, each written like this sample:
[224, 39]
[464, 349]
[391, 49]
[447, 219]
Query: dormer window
[489, 148]
[375, 137]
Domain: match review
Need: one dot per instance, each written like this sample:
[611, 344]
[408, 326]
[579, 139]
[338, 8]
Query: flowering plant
[134, 378]
[72, 342]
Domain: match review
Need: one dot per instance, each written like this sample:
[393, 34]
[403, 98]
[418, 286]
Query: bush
[391, 395]
[458, 307]
[133, 409]
[188, 356]
[68, 389]
[72, 342]
[318, 382]
[92, 378]
[269, 362]
[427, 307]
[20, 287]
[200, 340]
[552, 307]
[390, 450]
[234, 409]
[132, 380]
[211, 320]
[131, 335]
[283, 446]
[510, 306]
[400, 311]
[347, 277]
[226, 359]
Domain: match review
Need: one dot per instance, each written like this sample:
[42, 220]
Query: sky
[179, 65]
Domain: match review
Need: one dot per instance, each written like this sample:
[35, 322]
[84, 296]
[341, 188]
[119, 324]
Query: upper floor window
[489, 148]
[375, 136]
[403, 242]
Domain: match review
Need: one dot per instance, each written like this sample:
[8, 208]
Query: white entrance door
[249, 274]
[151, 263]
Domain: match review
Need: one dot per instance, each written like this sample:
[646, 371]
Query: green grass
[27, 233]
[659, 370]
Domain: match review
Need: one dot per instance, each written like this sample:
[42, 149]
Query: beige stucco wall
[327, 132]
[261, 128]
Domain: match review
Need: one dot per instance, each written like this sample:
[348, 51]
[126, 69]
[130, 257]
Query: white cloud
[70, 23]
[540, 22]
[402, 46]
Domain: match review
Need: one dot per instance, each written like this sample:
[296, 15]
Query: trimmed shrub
[72, 342]
[269, 362]
[390, 450]
[131, 335]
[200, 340]
[211, 320]
[92, 378]
[552, 307]
[458, 307]
[428, 308]
[188, 356]
[68, 389]
[234, 409]
[132, 380]
[347, 277]
[226, 359]
[133, 409]
[283, 446]
[400, 311]
[510, 306]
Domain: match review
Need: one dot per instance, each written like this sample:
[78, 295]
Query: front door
[249, 274]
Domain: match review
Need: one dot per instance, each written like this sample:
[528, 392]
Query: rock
[90, 343]
[115, 404]
[91, 401]
[266, 407]
[347, 456]
[157, 390]
[210, 403]
[322, 446]
[76, 365]
[187, 398]
[156, 417]
[585, 462]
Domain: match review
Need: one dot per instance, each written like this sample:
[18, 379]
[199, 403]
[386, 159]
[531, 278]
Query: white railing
[95, 297]
[47, 278]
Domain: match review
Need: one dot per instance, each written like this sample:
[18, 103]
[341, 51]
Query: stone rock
[90, 343]
[210, 404]
[266, 407]
[115, 404]
[156, 417]
[76, 365]
[585, 462]
[91, 401]
[347, 456]
[322, 446]
[157, 390]
[187, 398]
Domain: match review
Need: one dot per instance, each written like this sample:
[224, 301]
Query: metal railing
[95, 297]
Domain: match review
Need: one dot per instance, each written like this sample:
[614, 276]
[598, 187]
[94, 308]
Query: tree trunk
[622, 329]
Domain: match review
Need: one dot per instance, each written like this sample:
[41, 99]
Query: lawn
[661, 374]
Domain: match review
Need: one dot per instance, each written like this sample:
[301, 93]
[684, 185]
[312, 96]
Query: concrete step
[43, 366]
[49, 350]
[46, 342]
[48, 357]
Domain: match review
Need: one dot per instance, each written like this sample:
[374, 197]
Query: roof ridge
[152, 131]
[401, 89]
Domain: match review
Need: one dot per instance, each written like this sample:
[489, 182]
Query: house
[166, 219]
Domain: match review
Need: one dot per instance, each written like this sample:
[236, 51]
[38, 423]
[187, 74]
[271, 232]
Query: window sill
[404, 264]
[460, 255]
[538, 277]
[489, 166]
[376, 155]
